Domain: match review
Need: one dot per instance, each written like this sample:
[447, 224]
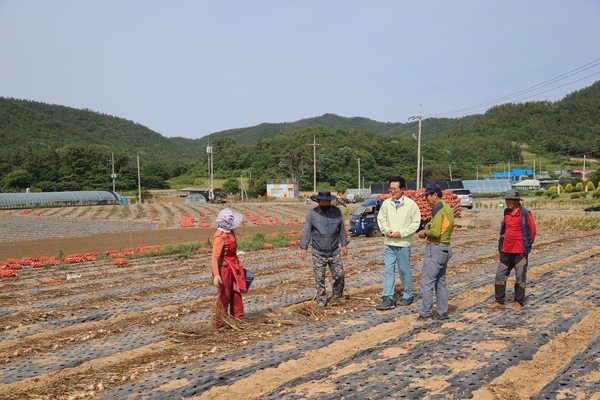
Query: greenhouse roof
[46, 199]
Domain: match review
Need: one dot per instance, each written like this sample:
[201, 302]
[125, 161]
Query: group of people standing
[399, 219]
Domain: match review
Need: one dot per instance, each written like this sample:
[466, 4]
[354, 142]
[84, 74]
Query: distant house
[527, 184]
[282, 189]
[513, 175]
[563, 174]
[577, 174]
[546, 184]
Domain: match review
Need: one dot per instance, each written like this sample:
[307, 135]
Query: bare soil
[145, 331]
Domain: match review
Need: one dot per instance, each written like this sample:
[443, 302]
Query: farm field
[144, 331]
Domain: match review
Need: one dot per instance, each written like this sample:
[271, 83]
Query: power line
[518, 77]
[530, 89]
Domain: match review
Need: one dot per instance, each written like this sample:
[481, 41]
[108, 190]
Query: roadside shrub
[551, 189]
[596, 194]
[575, 196]
[590, 186]
[169, 249]
[539, 193]
[579, 187]
[550, 193]
[554, 196]
[569, 188]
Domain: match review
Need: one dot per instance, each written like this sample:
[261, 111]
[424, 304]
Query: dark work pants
[320, 264]
[508, 262]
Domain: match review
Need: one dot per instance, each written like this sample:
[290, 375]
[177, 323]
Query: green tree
[16, 181]
[232, 186]
[199, 182]
[341, 186]
[257, 187]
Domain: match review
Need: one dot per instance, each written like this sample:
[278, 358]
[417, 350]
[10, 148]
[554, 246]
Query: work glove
[217, 281]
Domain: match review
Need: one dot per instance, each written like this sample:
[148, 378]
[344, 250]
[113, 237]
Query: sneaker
[387, 303]
[517, 306]
[422, 321]
[495, 304]
[403, 302]
[440, 317]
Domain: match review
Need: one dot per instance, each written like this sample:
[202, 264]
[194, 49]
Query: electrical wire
[485, 105]
[527, 90]
[518, 77]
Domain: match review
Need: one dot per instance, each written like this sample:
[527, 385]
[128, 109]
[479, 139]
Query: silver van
[465, 196]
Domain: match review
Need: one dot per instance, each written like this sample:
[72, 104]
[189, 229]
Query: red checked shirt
[513, 235]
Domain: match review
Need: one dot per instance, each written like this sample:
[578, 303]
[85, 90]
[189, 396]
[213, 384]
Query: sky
[189, 68]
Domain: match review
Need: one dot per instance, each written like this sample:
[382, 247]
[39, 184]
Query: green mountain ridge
[30, 123]
[265, 130]
[55, 148]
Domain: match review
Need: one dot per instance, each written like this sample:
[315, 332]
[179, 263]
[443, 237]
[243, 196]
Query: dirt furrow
[266, 380]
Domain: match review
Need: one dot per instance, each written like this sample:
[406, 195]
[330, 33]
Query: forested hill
[569, 127]
[25, 123]
[29, 123]
[265, 130]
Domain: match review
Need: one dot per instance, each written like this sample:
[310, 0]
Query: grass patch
[561, 223]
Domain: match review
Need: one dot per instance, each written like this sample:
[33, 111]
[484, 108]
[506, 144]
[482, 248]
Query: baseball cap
[431, 188]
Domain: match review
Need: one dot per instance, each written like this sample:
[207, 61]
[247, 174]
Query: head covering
[323, 195]
[432, 188]
[512, 194]
[228, 220]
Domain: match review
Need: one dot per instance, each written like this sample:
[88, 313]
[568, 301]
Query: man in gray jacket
[325, 226]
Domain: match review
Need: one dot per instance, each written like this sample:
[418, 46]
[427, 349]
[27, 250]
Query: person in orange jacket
[227, 271]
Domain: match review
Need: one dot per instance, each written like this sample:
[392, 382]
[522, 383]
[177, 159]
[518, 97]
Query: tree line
[286, 156]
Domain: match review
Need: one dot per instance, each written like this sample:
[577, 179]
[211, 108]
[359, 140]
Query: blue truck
[363, 221]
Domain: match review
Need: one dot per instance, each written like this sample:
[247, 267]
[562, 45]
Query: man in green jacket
[398, 219]
[435, 260]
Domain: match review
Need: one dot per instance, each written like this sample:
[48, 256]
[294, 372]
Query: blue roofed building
[513, 175]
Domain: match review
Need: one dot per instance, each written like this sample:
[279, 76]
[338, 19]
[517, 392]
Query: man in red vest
[517, 234]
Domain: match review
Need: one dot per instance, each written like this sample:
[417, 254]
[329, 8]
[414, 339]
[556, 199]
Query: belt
[436, 243]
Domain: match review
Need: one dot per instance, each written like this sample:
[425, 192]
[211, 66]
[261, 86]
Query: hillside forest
[56, 148]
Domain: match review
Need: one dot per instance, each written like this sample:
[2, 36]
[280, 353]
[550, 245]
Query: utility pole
[242, 187]
[583, 176]
[113, 175]
[314, 145]
[209, 152]
[139, 181]
[418, 148]
[359, 176]
[421, 177]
